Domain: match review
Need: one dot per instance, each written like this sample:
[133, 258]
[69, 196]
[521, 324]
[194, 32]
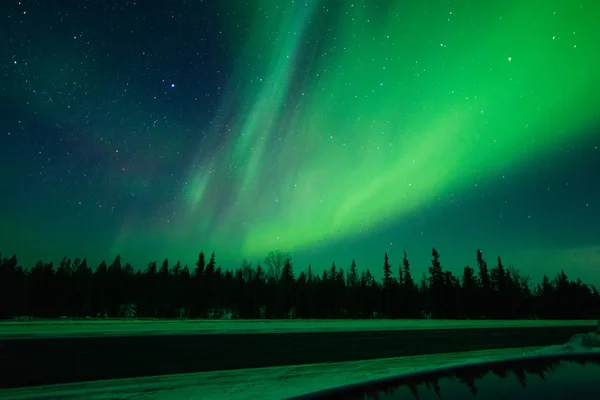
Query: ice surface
[65, 328]
[259, 383]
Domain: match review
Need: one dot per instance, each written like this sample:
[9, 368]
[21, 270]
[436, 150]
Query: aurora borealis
[329, 129]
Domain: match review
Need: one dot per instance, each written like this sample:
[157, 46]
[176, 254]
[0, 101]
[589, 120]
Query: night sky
[328, 129]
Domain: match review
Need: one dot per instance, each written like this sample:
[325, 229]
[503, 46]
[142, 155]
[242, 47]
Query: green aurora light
[398, 105]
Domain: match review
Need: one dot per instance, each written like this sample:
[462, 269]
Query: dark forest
[272, 290]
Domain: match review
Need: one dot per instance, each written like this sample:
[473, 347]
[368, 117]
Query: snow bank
[271, 383]
[582, 342]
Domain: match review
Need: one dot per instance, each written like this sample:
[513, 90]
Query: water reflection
[550, 376]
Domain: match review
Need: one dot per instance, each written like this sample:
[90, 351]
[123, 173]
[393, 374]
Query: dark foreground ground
[39, 361]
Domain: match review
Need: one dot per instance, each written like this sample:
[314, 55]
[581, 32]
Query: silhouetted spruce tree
[352, 278]
[243, 299]
[340, 284]
[335, 286]
[258, 289]
[584, 300]
[199, 287]
[363, 295]
[210, 283]
[498, 303]
[301, 296]
[400, 276]
[35, 288]
[408, 280]
[216, 286]
[452, 299]
[40, 287]
[211, 266]
[63, 285]
[436, 286]
[165, 295]
[312, 294]
[128, 281]
[178, 291]
[387, 273]
[352, 291]
[327, 293]
[498, 277]
[369, 280]
[323, 295]
[526, 301]
[512, 297]
[151, 295]
[387, 287]
[226, 294]
[83, 280]
[424, 297]
[255, 275]
[564, 296]
[371, 298]
[409, 290]
[200, 265]
[332, 271]
[188, 293]
[13, 288]
[485, 286]
[484, 276]
[318, 305]
[469, 290]
[545, 301]
[435, 270]
[101, 282]
[114, 289]
[286, 286]
[287, 273]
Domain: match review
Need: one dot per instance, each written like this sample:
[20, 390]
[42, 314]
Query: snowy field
[271, 383]
[67, 328]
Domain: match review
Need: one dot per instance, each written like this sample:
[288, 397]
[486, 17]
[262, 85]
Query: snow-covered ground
[61, 328]
[271, 383]
[281, 382]
[581, 342]
[260, 383]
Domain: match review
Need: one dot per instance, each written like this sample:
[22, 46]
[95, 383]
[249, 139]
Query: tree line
[272, 290]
